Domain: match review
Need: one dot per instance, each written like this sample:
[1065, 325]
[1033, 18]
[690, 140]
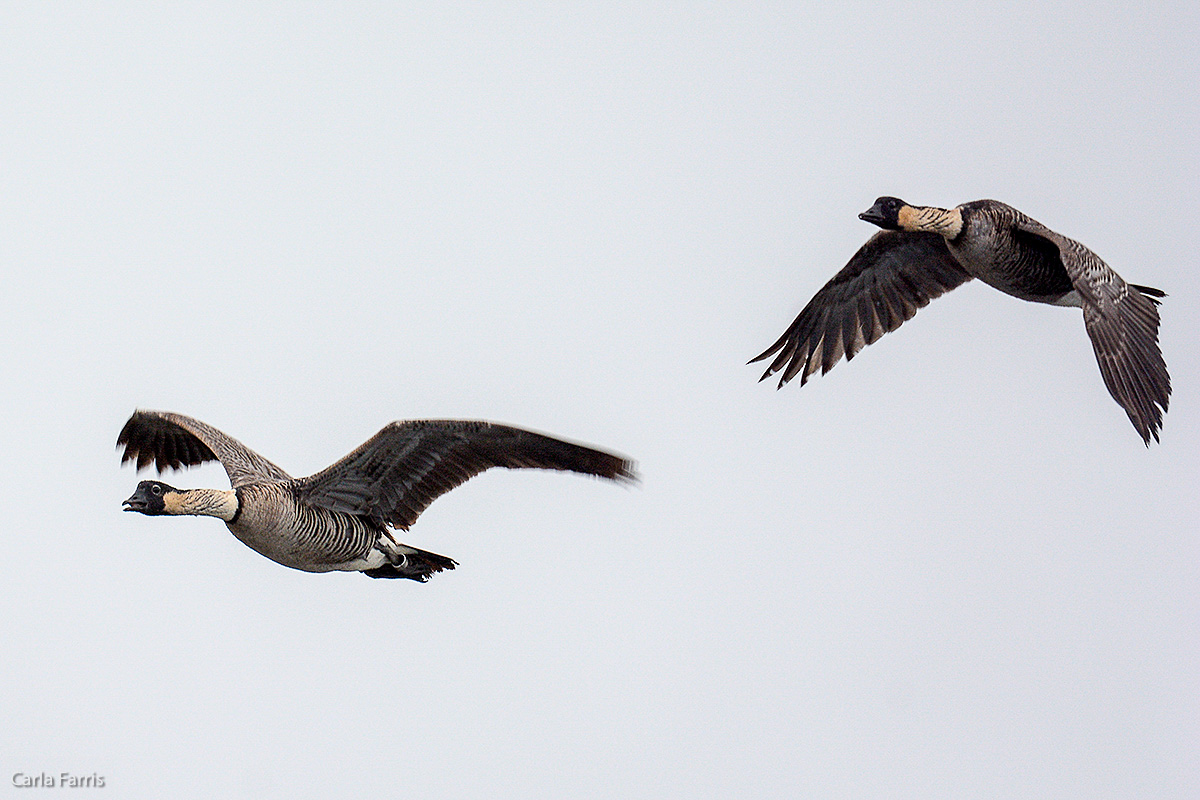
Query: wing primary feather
[397, 473]
[890, 277]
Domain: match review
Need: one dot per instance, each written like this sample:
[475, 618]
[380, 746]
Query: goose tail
[1151, 293]
[416, 565]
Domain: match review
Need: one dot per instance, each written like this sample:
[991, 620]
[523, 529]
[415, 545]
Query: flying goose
[923, 252]
[339, 518]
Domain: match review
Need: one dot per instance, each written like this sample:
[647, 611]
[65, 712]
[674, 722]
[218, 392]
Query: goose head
[885, 213]
[150, 498]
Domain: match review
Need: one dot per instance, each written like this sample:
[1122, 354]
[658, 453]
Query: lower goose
[339, 518]
[924, 252]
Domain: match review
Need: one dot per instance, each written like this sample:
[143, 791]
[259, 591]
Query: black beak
[874, 215]
[136, 502]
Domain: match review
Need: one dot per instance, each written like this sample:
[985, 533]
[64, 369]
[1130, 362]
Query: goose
[339, 518]
[924, 251]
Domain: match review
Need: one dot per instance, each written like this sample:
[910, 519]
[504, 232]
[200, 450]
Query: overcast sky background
[948, 569]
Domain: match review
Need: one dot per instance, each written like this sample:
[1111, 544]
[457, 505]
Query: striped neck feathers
[946, 221]
[221, 503]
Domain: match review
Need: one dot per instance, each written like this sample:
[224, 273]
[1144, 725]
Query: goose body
[923, 252]
[342, 518]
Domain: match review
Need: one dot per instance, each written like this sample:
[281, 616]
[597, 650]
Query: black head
[148, 498]
[885, 213]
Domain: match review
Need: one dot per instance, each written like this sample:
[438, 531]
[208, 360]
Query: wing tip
[624, 472]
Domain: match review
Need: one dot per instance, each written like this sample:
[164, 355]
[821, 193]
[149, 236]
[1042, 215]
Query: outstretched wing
[888, 279]
[1122, 321]
[175, 441]
[397, 473]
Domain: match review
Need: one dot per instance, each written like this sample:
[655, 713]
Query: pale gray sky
[948, 569]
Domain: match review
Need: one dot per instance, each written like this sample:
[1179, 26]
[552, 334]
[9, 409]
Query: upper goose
[924, 252]
[338, 518]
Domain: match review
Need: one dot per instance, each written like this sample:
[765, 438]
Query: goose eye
[156, 490]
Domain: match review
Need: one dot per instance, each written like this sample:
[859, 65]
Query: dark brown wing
[1122, 321]
[175, 441]
[396, 474]
[888, 279]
